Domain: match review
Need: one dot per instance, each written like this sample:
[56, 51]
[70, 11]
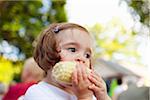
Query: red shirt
[15, 91]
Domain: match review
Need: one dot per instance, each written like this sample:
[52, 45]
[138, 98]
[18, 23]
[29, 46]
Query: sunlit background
[119, 14]
[120, 28]
[91, 12]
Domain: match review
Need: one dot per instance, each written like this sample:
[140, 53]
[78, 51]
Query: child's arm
[98, 87]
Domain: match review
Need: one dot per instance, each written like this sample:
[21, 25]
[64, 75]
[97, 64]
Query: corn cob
[62, 71]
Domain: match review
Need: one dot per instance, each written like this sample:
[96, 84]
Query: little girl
[66, 42]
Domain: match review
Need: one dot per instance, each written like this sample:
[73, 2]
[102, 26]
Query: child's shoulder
[35, 91]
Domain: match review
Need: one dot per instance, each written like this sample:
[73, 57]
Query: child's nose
[80, 59]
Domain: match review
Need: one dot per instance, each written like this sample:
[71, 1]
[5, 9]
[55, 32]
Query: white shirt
[119, 89]
[45, 91]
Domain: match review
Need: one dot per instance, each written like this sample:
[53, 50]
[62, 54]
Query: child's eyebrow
[72, 43]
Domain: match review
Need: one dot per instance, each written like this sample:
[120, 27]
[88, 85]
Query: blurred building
[108, 69]
[135, 79]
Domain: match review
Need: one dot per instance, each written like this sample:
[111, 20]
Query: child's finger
[94, 80]
[84, 74]
[95, 88]
[99, 92]
[98, 81]
[96, 76]
[79, 73]
[74, 77]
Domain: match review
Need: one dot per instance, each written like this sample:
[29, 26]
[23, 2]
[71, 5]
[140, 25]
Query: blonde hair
[31, 67]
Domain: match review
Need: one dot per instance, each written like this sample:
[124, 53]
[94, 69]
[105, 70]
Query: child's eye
[87, 55]
[72, 49]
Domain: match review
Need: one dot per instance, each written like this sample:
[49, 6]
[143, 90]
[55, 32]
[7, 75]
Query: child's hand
[81, 83]
[98, 86]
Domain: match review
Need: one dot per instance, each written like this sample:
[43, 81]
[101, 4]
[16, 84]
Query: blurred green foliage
[142, 8]
[22, 21]
[115, 42]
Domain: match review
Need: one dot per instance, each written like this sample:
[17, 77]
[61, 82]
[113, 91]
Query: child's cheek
[65, 56]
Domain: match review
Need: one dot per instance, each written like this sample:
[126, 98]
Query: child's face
[75, 45]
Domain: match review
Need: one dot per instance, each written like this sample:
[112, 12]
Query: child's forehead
[74, 32]
[75, 36]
